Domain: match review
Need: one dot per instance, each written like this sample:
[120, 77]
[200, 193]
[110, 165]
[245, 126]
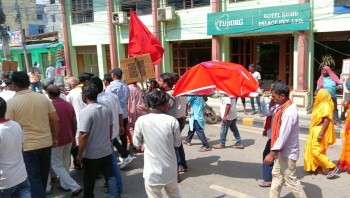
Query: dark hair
[281, 88]
[118, 72]
[276, 81]
[83, 77]
[108, 78]
[90, 90]
[47, 82]
[176, 77]
[53, 90]
[98, 82]
[251, 65]
[20, 79]
[158, 98]
[168, 78]
[3, 107]
[153, 83]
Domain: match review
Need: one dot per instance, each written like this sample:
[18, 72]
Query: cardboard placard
[9, 65]
[346, 66]
[130, 70]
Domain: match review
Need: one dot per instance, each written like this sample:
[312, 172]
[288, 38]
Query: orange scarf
[277, 121]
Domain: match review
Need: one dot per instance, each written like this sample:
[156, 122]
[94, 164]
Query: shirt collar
[26, 91]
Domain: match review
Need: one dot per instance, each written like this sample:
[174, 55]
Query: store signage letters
[272, 19]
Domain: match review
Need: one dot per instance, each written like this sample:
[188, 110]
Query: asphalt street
[228, 172]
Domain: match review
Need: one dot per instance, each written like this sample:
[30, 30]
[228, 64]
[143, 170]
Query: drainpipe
[157, 69]
[65, 39]
[112, 45]
[215, 41]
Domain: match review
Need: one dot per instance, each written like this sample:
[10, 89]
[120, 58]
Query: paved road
[229, 172]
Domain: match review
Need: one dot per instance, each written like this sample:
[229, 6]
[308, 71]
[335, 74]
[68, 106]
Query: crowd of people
[98, 116]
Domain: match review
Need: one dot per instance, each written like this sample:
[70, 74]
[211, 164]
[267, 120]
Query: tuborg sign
[272, 19]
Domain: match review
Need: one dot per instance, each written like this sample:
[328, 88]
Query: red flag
[142, 41]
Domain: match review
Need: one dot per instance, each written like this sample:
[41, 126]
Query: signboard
[271, 19]
[131, 72]
[15, 38]
[9, 65]
[346, 66]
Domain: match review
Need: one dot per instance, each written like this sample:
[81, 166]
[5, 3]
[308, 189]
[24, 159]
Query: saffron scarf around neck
[277, 121]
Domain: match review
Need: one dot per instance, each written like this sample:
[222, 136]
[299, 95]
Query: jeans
[21, 190]
[38, 167]
[200, 134]
[60, 161]
[267, 169]
[36, 85]
[117, 173]
[180, 153]
[124, 153]
[91, 169]
[257, 101]
[335, 111]
[224, 128]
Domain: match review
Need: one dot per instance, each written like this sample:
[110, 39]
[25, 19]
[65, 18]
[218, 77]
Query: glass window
[41, 29]
[39, 16]
[53, 18]
[140, 7]
[91, 63]
[236, 1]
[82, 11]
[187, 4]
[52, 1]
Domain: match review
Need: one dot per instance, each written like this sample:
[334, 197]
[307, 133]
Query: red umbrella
[230, 78]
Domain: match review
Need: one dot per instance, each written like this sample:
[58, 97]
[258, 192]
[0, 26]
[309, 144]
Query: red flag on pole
[142, 41]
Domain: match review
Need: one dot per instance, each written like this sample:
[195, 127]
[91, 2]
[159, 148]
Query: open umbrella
[206, 77]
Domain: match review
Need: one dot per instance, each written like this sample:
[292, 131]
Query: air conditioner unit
[119, 18]
[166, 14]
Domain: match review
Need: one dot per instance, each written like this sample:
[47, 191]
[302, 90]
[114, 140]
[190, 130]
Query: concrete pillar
[111, 30]
[65, 37]
[215, 39]
[101, 58]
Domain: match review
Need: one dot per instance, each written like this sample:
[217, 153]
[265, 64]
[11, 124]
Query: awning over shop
[37, 46]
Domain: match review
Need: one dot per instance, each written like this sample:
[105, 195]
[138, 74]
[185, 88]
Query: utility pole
[3, 34]
[19, 18]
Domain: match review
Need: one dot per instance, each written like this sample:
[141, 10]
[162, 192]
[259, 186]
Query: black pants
[180, 153]
[123, 137]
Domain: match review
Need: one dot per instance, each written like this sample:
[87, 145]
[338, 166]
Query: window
[53, 18]
[52, 1]
[90, 62]
[187, 4]
[82, 11]
[41, 29]
[39, 16]
[236, 1]
[140, 7]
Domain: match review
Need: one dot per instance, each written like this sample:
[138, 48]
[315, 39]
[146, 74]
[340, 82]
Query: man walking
[40, 130]
[229, 118]
[257, 77]
[122, 91]
[50, 73]
[160, 133]
[60, 158]
[284, 144]
[95, 132]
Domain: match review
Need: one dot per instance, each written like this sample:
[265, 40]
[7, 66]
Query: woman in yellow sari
[344, 161]
[320, 136]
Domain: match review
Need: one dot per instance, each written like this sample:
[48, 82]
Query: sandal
[265, 184]
[218, 146]
[186, 143]
[183, 170]
[77, 192]
[204, 149]
[332, 173]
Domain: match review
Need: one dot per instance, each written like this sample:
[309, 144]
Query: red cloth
[67, 117]
[142, 41]
[277, 122]
[268, 123]
[331, 74]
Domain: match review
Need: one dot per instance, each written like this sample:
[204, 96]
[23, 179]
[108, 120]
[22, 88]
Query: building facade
[286, 38]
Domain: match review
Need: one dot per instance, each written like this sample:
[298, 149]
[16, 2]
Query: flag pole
[142, 86]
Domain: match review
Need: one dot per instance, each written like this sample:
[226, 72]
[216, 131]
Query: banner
[15, 38]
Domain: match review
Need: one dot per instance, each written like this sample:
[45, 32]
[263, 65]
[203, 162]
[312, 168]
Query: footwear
[204, 149]
[245, 113]
[186, 143]
[218, 146]
[77, 192]
[332, 173]
[265, 184]
[261, 115]
[183, 170]
[238, 146]
[49, 191]
[126, 161]
[253, 113]
[63, 189]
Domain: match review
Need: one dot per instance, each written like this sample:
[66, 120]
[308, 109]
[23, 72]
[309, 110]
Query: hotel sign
[271, 19]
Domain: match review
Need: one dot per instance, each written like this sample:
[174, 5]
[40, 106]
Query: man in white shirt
[284, 144]
[257, 77]
[229, 118]
[159, 133]
[13, 174]
[50, 73]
